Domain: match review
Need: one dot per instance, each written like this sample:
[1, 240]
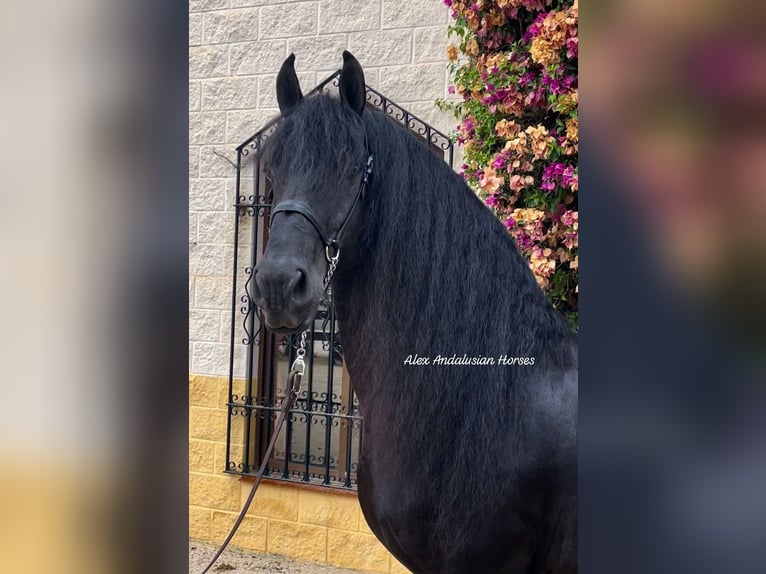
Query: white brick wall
[235, 50]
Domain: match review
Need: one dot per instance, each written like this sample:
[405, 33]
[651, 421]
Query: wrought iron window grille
[320, 441]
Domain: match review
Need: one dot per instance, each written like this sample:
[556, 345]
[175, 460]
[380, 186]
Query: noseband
[334, 243]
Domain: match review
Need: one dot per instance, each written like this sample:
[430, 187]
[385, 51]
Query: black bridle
[334, 243]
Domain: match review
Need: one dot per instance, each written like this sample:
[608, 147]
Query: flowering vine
[514, 71]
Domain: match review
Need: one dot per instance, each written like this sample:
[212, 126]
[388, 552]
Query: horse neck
[439, 273]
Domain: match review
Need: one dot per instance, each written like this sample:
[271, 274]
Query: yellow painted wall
[304, 522]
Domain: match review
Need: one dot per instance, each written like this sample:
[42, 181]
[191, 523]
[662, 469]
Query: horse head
[318, 165]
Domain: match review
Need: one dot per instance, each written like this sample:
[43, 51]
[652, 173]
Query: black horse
[467, 468]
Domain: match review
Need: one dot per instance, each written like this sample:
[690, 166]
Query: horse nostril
[257, 289]
[300, 287]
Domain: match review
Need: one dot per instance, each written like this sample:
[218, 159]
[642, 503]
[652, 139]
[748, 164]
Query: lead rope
[297, 370]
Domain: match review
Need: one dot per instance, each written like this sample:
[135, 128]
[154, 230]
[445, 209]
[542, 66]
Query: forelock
[320, 133]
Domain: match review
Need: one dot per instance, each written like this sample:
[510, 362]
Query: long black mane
[425, 222]
[442, 276]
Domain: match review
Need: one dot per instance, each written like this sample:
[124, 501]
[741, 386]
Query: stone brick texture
[235, 50]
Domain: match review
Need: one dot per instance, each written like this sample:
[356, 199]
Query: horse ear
[352, 89]
[288, 89]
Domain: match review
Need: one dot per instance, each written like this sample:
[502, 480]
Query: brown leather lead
[286, 406]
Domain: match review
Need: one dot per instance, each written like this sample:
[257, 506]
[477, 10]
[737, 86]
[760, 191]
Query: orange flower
[473, 20]
[490, 181]
[553, 34]
[543, 51]
[541, 264]
[518, 144]
[541, 142]
[575, 263]
[567, 102]
[472, 47]
[519, 182]
[528, 214]
[572, 126]
[452, 52]
[573, 14]
[495, 59]
[496, 19]
[506, 129]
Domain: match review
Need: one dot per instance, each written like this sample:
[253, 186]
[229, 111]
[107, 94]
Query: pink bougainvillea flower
[519, 127]
[572, 45]
[499, 161]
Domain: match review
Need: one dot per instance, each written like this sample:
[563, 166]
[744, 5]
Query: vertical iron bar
[234, 306]
[309, 404]
[249, 403]
[328, 401]
[259, 438]
[349, 434]
[269, 407]
[361, 438]
[270, 356]
[451, 154]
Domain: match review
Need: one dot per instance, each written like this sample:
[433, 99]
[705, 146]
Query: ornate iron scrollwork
[248, 308]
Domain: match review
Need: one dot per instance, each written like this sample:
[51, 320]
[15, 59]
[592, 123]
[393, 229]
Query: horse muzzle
[286, 294]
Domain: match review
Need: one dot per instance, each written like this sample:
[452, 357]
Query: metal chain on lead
[332, 263]
[302, 348]
[298, 368]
